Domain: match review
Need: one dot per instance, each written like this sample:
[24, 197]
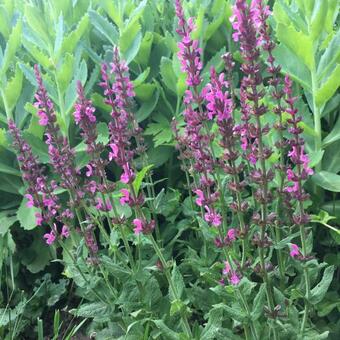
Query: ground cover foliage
[169, 169]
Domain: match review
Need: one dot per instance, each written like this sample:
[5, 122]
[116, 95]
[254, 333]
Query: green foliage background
[69, 40]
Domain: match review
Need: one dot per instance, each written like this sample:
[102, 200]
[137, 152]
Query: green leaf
[144, 92]
[331, 158]
[4, 22]
[104, 27]
[259, 303]
[327, 181]
[95, 310]
[128, 35]
[13, 88]
[5, 169]
[147, 107]
[36, 21]
[139, 178]
[12, 45]
[168, 333]
[329, 87]
[234, 312]
[319, 291]
[299, 43]
[168, 75]
[318, 18]
[26, 215]
[178, 283]
[40, 57]
[145, 49]
[133, 49]
[333, 136]
[65, 72]
[6, 221]
[141, 77]
[72, 39]
[177, 306]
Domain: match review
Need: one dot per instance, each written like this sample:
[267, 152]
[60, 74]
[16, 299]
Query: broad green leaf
[333, 136]
[4, 22]
[330, 56]
[318, 18]
[133, 49]
[13, 88]
[331, 158]
[168, 333]
[177, 306]
[235, 312]
[114, 11]
[6, 221]
[259, 303]
[333, 12]
[147, 107]
[36, 20]
[128, 35]
[141, 77]
[5, 169]
[72, 39]
[299, 43]
[65, 72]
[327, 180]
[12, 45]
[91, 310]
[215, 24]
[144, 92]
[137, 12]
[26, 215]
[328, 88]
[320, 290]
[139, 178]
[315, 157]
[168, 74]
[40, 57]
[104, 27]
[59, 29]
[178, 282]
[145, 49]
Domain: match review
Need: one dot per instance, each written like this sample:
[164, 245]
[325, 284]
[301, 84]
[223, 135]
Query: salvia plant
[232, 259]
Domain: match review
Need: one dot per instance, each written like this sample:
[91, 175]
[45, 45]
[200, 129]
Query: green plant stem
[185, 323]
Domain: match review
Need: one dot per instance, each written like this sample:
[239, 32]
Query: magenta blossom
[50, 237]
[294, 250]
[212, 217]
[65, 232]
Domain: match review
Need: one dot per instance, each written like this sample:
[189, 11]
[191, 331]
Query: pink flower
[294, 250]
[65, 231]
[114, 151]
[227, 268]
[212, 217]
[99, 205]
[125, 199]
[231, 234]
[38, 218]
[89, 171]
[128, 175]
[30, 202]
[43, 121]
[138, 226]
[50, 237]
[234, 279]
[200, 200]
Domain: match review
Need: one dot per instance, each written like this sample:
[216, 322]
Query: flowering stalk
[244, 22]
[297, 176]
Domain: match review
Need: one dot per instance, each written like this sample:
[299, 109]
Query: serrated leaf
[318, 18]
[40, 57]
[299, 43]
[13, 88]
[178, 282]
[72, 39]
[12, 45]
[328, 88]
[65, 72]
[104, 27]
